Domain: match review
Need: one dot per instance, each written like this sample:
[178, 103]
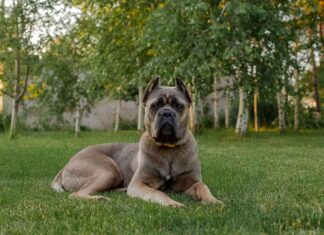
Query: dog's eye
[157, 105]
[178, 106]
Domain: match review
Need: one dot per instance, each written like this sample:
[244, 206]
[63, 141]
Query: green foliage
[66, 79]
[320, 76]
[120, 45]
[127, 125]
[4, 122]
[18, 22]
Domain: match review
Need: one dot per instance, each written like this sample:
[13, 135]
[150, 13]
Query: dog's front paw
[173, 203]
[212, 200]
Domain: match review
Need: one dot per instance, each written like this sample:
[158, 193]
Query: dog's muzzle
[166, 126]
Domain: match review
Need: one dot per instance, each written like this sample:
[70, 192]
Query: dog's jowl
[165, 159]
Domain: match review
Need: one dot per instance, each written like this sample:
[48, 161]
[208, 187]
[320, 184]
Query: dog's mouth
[166, 133]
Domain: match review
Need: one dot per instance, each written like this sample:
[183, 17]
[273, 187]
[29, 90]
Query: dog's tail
[57, 183]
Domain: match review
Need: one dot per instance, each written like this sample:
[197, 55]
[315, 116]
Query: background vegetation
[263, 57]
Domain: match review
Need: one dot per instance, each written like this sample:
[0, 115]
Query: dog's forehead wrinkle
[170, 94]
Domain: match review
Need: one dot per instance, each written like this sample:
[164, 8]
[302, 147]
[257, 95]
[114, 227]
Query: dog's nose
[166, 113]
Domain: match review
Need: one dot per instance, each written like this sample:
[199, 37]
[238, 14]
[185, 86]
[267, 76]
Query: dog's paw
[212, 200]
[89, 197]
[174, 204]
[101, 198]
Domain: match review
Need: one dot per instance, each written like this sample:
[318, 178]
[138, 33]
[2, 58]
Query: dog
[165, 159]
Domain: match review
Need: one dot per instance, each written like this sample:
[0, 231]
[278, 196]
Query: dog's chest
[170, 170]
[168, 177]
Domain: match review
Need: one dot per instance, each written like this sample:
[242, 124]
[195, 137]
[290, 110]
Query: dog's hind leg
[85, 177]
[57, 182]
[97, 184]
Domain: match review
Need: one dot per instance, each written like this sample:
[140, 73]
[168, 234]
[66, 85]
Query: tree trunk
[227, 109]
[77, 119]
[215, 104]
[316, 93]
[117, 120]
[192, 114]
[245, 119]
[317, 113]
[192, 109]
[281, 111]
[18, 92]
[296, 102]
[240, 111]
[243, 114]
[15, 102]
[140, 115]
[255, 110]
[14, 114]
[296, 112]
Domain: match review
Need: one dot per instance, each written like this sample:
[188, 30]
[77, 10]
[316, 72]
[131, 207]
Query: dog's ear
[182, 87]
[154, 83]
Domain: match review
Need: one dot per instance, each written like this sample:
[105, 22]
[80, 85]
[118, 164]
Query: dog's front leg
[143, 191]
[199, 191]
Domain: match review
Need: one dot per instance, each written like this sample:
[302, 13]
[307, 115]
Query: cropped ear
[154, 83]
[182, 87]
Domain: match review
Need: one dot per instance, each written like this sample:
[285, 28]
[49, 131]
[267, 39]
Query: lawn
[269, 183]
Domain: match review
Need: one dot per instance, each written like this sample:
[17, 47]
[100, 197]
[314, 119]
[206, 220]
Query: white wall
[100, 117]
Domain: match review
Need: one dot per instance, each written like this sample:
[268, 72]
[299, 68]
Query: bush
[127, 125]
[4, 122]
[307, 118]
[1, 123]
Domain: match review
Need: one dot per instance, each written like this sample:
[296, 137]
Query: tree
[118, 30]
[311, 21]
[67, 83]
[178, 35]
[17, 22]
[307, 20]
[257, 48]
[21, 42]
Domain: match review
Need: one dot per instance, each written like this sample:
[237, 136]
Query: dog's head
[166, 111]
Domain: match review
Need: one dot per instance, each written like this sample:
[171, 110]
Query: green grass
[270, 184]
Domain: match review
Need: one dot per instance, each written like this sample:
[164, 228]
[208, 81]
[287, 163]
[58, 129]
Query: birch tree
[281, 110]
[215, 103]
[19, 21]
[227, 108]
[66, 82]
[24, 36]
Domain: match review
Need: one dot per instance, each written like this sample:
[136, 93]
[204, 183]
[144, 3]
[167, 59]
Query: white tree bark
[227, 109]
[243, 114]
[215, 104]
[14, 114]
[281, 111]
[140, 115]
[240, 111]
[296, 102]
[255, 99]
[117, 119]
[192, 109]
[15, 103]
[77, 120]
[255, 110]
[245, 120]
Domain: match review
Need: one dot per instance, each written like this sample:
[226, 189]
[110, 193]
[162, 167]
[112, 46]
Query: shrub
[127, 124]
